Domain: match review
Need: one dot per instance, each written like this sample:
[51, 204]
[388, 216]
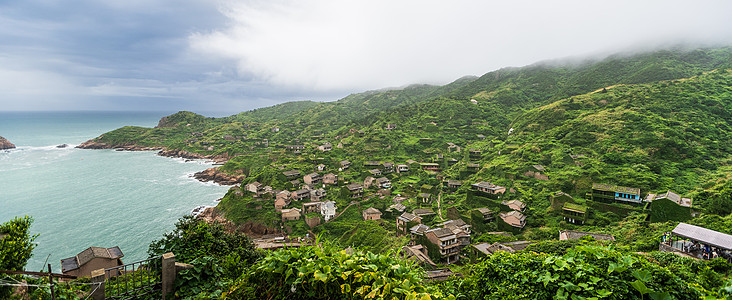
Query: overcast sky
[230, 56]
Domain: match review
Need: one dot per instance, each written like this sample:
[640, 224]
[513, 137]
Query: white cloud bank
[318, 45]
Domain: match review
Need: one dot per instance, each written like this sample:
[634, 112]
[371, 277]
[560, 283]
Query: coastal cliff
[5, 144]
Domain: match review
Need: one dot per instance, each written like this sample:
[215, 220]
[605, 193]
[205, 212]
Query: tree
[16, 247]
[16, 244]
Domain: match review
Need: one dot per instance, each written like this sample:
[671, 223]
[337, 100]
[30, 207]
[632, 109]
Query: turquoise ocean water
[82, 198]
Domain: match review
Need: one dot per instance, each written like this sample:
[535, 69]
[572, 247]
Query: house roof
[514, 204]
[487, 185]
[575, 235]
[442, 234]
[513, 215]
[312, 175]
[291, 173]
[382, 180]
[670, 196]
[354, 186]
[419, 229]
[398, 207]
[87, 255]
[615, 188]
[372, 211]
[703, 235]
[574, 207]
[484, 210]
[408, 217]
[423, 211]
[454, 182]
[418, 255]
[424, 195]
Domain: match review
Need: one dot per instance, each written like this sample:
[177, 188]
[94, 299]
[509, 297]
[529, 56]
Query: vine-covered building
[613, 193]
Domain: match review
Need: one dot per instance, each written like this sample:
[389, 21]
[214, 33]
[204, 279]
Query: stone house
[93, 258]
[489, 188]
[447, 242]
[290, 214]
[330, 178]
[371, 214]
[312, 178]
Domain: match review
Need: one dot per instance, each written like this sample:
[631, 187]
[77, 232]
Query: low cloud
[356, 45]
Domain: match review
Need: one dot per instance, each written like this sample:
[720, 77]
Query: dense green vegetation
[656, 121]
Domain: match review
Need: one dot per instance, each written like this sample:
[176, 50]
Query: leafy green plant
[321, 272]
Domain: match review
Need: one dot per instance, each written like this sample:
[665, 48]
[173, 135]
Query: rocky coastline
[5, 144]
[217, 176]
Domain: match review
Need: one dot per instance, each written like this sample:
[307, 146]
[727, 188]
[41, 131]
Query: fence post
[97, 278]
[168, 273]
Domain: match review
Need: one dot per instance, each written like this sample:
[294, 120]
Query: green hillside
[654, 122]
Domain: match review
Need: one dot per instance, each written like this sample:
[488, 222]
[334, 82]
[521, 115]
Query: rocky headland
[5, 144]
[217, 176]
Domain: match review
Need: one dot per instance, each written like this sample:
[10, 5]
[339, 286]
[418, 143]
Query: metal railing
[135, 279]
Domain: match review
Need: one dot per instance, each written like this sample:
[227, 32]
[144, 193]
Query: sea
[80, 198]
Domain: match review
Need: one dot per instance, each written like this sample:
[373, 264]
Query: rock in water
[5, 144]
[62, 146]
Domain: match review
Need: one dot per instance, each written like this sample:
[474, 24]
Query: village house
[398, 207]
[417, 253]
[487, 213]
[418, 230]
[460, 229]
[673, 197]
[614, 193]
[574, 213]
[281, 202]
[432, 167]
[320, 167]
[295, 148]
[453, 184]
[425, 197]
[383, 183]
[312, 178]
[475, 154]
[371, 214]
[345, 164]
[328, 210]
[290, 214]
[390, 126]
[325, 147]
[375, 172]
[301, 195]
[330, 178]
[368, 182]
[489, 188]
[296, 184]
[317, 194]
[421, 212]
[311, 207]
[403, 221]
[447, 242]
[372, 163]
[514, 205]
[472, 167]
[93, 258]
[291, 174]
[402, 168]
[356, 189]
[514, 219]
[388, 167]
[255, 187]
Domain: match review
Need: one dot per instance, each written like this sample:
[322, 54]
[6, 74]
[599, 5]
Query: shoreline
[207, 213]
[210, 174]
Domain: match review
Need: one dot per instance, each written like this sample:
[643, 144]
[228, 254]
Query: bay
[81, 198]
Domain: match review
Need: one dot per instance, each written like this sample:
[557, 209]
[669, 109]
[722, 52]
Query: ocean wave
[44, 148]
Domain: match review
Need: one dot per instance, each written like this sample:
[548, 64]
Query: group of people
[707, 252]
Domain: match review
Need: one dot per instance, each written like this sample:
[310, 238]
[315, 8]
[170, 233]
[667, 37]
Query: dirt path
[439, 201]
